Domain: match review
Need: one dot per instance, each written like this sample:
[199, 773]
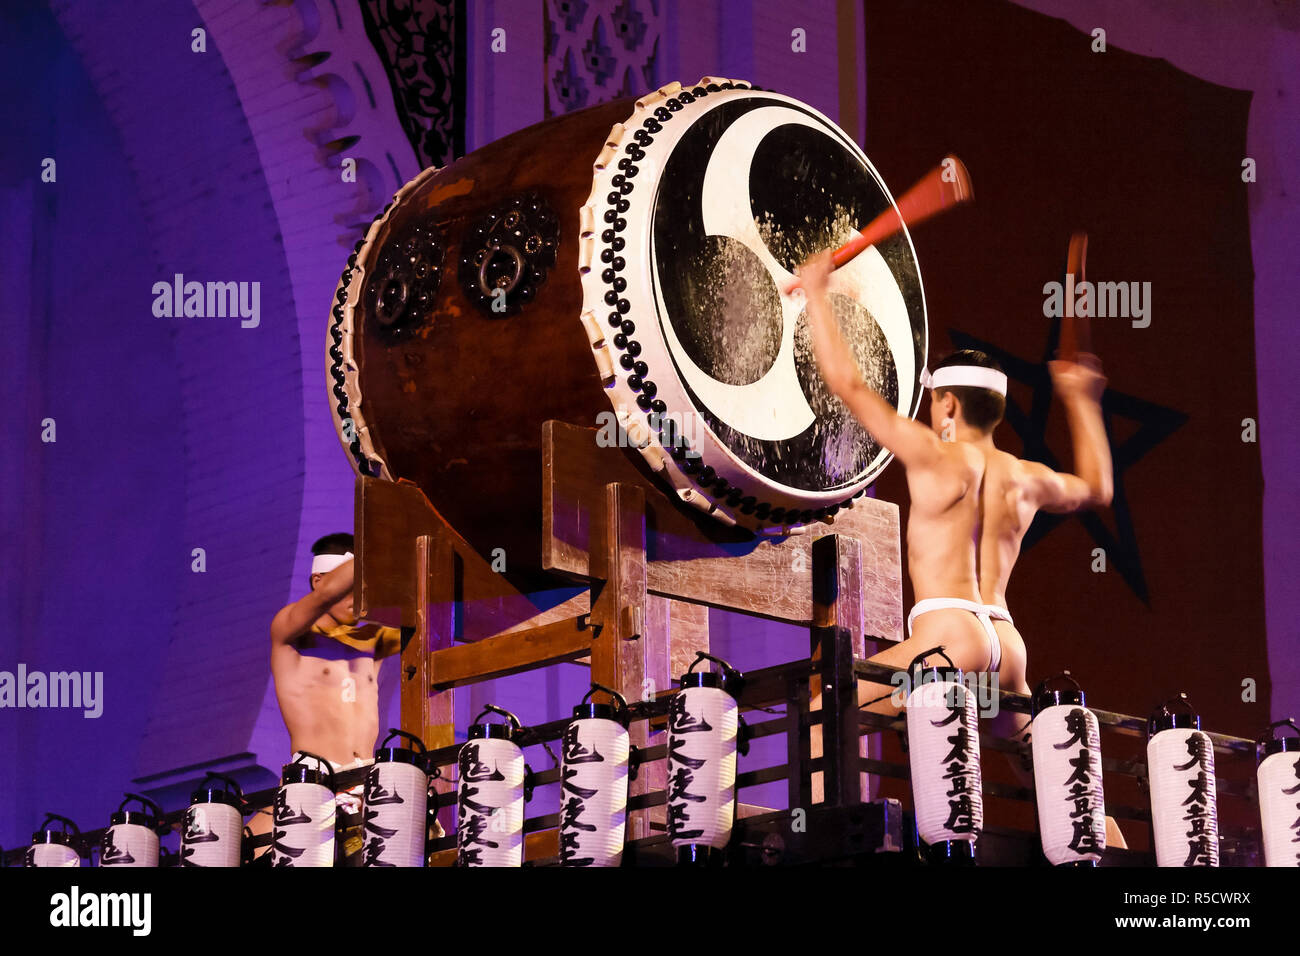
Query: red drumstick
[1074, 329]
[943, 187]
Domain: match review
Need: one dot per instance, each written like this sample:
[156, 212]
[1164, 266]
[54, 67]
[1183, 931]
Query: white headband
[971, 375]
[324, 563]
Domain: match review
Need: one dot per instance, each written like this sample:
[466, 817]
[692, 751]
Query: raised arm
[297, 618]
[1080, 386]
[911, 442]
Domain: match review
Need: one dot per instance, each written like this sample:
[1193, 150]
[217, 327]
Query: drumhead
[703, 204]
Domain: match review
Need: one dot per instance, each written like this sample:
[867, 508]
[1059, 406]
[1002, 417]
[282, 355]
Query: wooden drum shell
[433, 385]
[457, 405]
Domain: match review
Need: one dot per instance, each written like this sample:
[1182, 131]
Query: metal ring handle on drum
[514, 254]
[385, 312]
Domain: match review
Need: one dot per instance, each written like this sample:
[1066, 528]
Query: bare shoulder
[1050, 490]
[285, 653]
[1033, 470]
[1026, 473]
[281, 618]
[1009, 477]
[290, 623]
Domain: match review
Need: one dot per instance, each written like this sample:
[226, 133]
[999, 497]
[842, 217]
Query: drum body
[620, 268]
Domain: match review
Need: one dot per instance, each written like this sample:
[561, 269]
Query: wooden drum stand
[653, 569]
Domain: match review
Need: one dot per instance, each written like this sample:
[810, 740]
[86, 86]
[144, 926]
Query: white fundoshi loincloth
[987, 614]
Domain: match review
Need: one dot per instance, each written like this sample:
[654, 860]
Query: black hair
[982, 408]
[340, 543]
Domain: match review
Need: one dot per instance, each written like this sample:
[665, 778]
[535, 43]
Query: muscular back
[1014, 491]
[941, 524]
[1008, 503]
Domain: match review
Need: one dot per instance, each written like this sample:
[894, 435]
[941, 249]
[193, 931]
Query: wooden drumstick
[1075, 336]
[945, 186]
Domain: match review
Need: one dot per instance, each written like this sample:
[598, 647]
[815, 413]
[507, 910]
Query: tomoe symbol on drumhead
[744, 197]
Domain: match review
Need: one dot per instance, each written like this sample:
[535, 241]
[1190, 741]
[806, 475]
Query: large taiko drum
[625, 263]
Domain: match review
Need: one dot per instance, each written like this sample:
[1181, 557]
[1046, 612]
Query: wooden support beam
[389, 516]
[619, 615]
[510, 653]
[798, 750]
[688, 633]
[655, 568]
[427, 713]
[692, 557]
[836, 638]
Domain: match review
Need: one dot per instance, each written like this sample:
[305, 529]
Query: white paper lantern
[132, 835]
[304, 814]
[1180, 768]
[396, 804]
[214, 824]
[490, 795]
[594, 783]
[51, 847]
[943, 746]
[1278, 777]
[1066, 743]
[703, 732]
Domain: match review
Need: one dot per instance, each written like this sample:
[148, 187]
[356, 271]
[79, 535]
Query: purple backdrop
[179, 434]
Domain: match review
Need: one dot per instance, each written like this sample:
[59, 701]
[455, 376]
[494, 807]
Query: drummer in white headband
[326, 668]
[962, 486]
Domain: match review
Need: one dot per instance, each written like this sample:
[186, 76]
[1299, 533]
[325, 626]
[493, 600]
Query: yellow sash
[379, 640]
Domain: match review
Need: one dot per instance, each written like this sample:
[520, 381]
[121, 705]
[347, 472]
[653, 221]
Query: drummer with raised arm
[326, 669]
[963, 489]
